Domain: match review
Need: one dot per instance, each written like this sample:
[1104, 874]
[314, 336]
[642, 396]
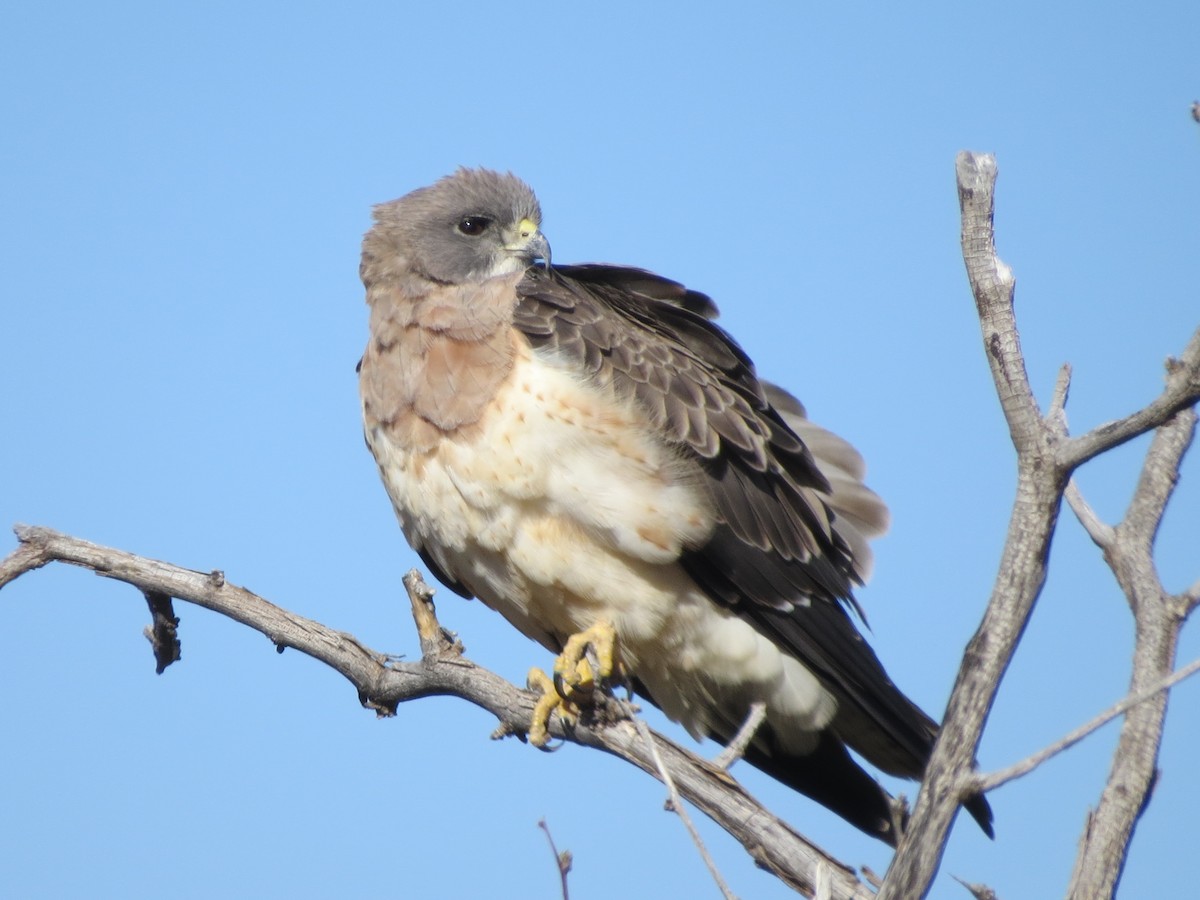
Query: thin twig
[990, 781]
[735, 748]
[563, 860]
[978, 891]
[1191, 597]
[1182, 391]
[1099, 531]
[1058, 401]
[435, 640]
[681, 811]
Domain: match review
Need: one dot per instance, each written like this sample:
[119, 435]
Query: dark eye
[473, 226]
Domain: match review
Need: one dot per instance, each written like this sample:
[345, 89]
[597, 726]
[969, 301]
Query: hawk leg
[588, 659]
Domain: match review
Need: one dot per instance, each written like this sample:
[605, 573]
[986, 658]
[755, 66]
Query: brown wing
[774, 555]
[860, 514]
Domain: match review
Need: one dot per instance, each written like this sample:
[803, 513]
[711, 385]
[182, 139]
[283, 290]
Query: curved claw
[574, 670]
[588, 660]
[550, 702]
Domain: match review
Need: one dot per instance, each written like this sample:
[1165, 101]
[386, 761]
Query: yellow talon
[547, 705]
[574, 673]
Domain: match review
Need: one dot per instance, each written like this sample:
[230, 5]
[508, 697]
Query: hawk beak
[530, 243]
[539, 248]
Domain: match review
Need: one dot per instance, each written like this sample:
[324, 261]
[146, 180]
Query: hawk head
[467, 227]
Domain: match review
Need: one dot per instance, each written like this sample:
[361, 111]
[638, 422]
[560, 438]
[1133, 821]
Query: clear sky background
[183, 192]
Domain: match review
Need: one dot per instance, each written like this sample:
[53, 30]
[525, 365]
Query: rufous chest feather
[436, 361]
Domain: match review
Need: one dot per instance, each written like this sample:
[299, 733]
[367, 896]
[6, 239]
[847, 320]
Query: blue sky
[184, 190]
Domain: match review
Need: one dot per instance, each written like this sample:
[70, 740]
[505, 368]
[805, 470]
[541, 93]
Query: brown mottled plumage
[577, 444]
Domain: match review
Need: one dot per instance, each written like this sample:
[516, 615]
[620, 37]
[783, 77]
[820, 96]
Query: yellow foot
[578, 671]
[588, 659]
[549, 703]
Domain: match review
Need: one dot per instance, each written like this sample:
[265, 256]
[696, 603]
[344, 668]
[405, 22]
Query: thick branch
[1156, 484]
[993, 286]
[1023, 563]
[383, 684]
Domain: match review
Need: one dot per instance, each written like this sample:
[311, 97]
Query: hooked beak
[531, 244]
[539, 248]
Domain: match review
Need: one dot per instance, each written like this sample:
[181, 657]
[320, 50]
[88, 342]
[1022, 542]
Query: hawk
[583, 449]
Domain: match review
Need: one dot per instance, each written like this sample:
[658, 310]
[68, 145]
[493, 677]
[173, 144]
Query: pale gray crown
[463, 228]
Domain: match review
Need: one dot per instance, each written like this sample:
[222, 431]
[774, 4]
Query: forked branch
[1046, 457]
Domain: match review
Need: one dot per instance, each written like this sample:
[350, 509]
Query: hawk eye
[473, 226]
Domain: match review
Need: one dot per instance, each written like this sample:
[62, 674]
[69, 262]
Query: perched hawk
[585, 451]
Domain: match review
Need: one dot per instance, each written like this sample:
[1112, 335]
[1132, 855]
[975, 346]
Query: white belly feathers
[559, 508]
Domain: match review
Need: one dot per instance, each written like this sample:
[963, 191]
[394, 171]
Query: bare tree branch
[675, 802]
[1101, 533]
[383, 683]
[1046, 458]
[993, 286]
[27, 557]
[1182, 391]
[1156, 484]
[1190, 599]
[1023, 562]
[1062, 389]
[735, 748]
[563, 860]
[992, 780]
[1158, 620]
[978, 891]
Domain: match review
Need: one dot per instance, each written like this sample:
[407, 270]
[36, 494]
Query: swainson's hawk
[584, 450]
